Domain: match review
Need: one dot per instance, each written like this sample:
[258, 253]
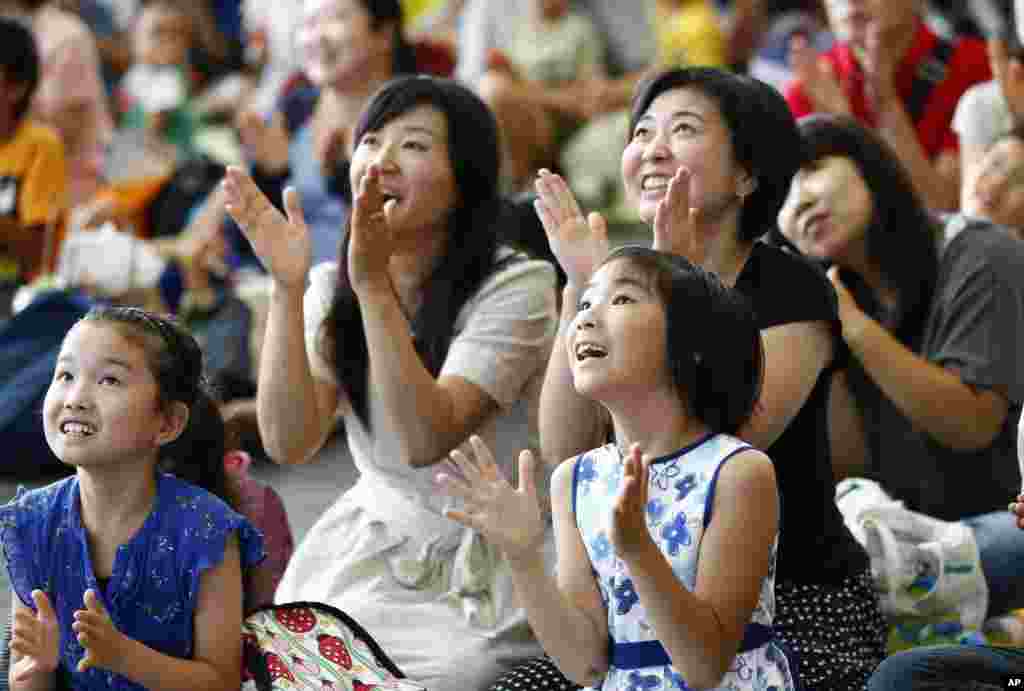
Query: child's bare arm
[702, 630]
[217, 660]
[578, 639]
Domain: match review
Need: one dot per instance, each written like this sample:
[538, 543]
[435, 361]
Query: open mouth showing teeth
[391, 197]
[79, 428]
[589, 350]
[654, 182]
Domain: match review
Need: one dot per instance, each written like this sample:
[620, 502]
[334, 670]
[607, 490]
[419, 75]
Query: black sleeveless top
[814, 544]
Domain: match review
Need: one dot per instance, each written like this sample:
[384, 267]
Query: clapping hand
[1017, 509]
[509, 518]
[96, 633]
[281, 243]
[1009, 73]
[677, 225]
[579, 244]
[882, 55]
[628, 521]
[266, 143]
[818, 78]
[373, 237]
[34, 638]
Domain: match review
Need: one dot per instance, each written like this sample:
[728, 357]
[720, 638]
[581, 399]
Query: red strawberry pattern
[299, 620]
[277, 668]
[360, 686]
[333, 648]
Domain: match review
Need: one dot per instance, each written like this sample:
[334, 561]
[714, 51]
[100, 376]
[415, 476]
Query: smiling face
[828, 209]
[683, 128]
[415, 169]
[337, 41]
[102, 406]
[850, 20]
[995, 189]
[617, 341]
[162, 35]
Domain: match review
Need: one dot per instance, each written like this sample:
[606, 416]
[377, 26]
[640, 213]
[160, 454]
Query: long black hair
[765, 140]
[468, 256]
[901, 226]
[19, 60]
[390, 11]
[716, 369]
[176, 361]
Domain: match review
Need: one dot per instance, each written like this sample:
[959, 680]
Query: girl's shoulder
[41, 500]
[206, 521]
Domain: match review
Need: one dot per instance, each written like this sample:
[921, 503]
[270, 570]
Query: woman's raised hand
[817, 77]
[509, 518]
[35, 637]
[281, 243]
[373, 239]
[677, 225]
[265, 142]
[579, 244]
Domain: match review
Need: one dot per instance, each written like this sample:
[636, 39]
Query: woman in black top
[708, 165]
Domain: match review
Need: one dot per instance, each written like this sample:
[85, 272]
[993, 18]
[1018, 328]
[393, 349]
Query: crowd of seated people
[396, 220]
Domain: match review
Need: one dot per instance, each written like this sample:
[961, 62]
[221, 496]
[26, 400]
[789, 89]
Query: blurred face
[415, 170]
[995, 189]
[102, 406]
[617, 341]
[682, 128]
[553, 9]
[828, 209]
[162, 36]
[337, 41]
[851, 19]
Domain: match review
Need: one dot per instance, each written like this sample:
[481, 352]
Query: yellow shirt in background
[690, 34]
[412, 10]
[33, 181]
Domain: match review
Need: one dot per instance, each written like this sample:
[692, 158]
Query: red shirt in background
[967, 65]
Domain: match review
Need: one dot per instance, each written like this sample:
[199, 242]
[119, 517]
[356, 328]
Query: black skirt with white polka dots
[837, 632]
[539, 673]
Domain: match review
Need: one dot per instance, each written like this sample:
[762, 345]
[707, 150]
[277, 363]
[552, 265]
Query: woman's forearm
[292, 426]
[569, 423]
[408, 405]
[935, 399]
[938, 188]
[578, 645]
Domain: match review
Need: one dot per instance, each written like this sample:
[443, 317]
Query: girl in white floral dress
[666, 551]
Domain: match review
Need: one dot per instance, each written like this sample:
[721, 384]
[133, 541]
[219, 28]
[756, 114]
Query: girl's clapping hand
[34, 638]
[102, 641]
[628, 523]
[509, 518]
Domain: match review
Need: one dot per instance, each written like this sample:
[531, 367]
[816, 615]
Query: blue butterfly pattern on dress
[676, 534]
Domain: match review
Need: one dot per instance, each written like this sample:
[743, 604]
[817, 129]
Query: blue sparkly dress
[151, 593]
[680, 496]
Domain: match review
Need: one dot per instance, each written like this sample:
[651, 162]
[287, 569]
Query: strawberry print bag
[313, 646]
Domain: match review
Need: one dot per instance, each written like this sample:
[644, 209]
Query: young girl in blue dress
[666, 542]
[124, 575]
